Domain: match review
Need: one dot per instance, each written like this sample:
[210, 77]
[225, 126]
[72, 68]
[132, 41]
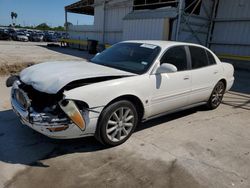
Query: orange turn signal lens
[70, 108]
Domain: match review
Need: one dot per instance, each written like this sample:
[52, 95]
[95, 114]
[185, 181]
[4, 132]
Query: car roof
[163, 43]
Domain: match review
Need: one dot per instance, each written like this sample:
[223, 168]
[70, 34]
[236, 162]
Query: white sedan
[130, 82]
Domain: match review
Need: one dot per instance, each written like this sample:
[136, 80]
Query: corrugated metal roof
[169, 12]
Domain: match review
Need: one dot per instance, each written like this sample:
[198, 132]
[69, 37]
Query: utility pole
[180, 9]
[66, 20]
[104, 21]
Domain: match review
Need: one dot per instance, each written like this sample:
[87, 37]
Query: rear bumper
[46, 128]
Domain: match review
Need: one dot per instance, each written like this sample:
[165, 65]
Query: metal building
[222, 25]
[231, 29]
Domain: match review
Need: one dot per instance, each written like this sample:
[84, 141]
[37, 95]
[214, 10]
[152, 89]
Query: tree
[43, 26]
[58, 28]
[13, 15]
[67, 24]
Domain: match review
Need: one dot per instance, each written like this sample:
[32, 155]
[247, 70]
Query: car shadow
[237, 100]
[168, 118]
[239, 95]
[21, 145]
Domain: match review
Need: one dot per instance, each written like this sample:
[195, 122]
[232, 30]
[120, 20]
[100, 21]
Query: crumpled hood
[50, 77]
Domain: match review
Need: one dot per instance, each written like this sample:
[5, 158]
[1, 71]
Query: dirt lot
[16, 55]
[191, 149]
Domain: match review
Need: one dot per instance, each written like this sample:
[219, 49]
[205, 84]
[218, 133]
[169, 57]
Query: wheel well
[134, 100]
[224, 82]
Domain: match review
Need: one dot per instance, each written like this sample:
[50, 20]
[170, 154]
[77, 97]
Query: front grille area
[41, 101]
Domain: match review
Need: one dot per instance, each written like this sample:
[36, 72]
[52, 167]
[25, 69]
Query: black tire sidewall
[105, 115]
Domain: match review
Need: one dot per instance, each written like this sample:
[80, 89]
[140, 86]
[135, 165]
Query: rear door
[205, 74]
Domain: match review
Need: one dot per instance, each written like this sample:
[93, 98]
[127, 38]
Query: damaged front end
[49, 114]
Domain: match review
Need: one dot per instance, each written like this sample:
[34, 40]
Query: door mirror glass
[166, 68]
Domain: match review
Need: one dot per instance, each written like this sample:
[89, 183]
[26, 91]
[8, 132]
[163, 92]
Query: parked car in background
[65, 35]
[58, 35]
[4, 34]
[129, 82]
[37, 37]
[51, 38]
[20, 36]
[11, 32]
[29, 32]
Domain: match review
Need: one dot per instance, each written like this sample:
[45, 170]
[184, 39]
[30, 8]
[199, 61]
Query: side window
[176, 56]
[198, 57]
[211, 60]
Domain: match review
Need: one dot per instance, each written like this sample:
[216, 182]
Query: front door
[171, 90]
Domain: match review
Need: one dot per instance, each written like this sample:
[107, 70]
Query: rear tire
[116, 123]
[216, 96]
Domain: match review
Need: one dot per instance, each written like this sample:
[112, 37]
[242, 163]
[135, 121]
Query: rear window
[198, 56]
[211, 60]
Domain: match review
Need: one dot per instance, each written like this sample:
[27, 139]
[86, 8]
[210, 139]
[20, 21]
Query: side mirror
[166, 68]
[10, 81]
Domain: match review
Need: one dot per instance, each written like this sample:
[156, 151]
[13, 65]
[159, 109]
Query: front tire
[117, 122]
[216, 96]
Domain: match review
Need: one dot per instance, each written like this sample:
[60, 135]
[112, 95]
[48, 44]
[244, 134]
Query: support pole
[104, 21]
[215, 5]
[180, 9]
[66, 20]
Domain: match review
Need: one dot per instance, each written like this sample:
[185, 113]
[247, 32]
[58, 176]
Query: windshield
[131, 57]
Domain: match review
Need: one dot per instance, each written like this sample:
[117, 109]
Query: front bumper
[43, 127]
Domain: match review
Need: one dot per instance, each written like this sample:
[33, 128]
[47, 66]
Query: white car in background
[130, 82]
[21, 36]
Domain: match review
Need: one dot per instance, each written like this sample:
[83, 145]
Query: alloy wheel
[120, 124]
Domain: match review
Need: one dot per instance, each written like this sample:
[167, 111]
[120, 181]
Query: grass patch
[7, 69]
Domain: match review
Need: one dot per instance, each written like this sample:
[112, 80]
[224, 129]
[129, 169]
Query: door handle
[186, 78]
[215, 72]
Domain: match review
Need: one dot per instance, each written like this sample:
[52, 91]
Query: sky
[34, 12]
